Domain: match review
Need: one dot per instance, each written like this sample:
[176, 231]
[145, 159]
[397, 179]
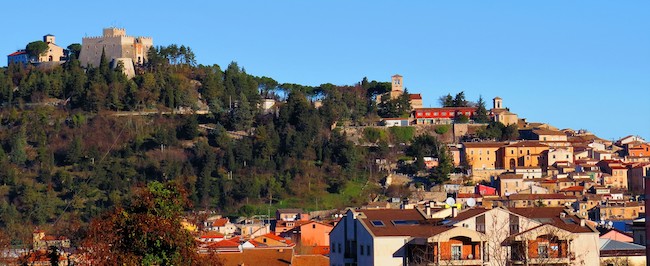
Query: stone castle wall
[115, 44]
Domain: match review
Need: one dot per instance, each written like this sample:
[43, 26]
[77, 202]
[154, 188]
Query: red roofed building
[442, 115]
[415, 100]
[18, 57]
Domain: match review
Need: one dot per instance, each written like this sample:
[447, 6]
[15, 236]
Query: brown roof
[415, 96]
[309, 260]
[388, 223]
[483, 144]
[573, 188]
[527, 143]
[551, 215]
[254, 256]
[543, 131]
[468, 214]
[511, 176]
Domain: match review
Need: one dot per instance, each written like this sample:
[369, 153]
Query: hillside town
[539, 196]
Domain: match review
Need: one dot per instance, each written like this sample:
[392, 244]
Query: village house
[523, 153]
[482, 155]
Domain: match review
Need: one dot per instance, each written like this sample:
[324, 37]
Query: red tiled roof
[220, 222]
[17, 53]
[551, 215]
[573, 189]
[468, 195]
[211, 234]
[415, 96]
[226, 243]
[469, 214]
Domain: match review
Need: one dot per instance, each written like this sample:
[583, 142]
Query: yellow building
[482, 155]
[523, 153]
[54, 52]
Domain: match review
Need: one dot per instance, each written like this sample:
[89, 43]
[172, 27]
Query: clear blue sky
[577, 64]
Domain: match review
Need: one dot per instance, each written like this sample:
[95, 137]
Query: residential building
[523, 153]
[532, 200]
[639, 150]
[510, 183]
[42, 241]
[614, 252]
[563, 238]
[482, 155]
[18, 57]
[352, 241]
[617, 173]
[618, 210]
[311, 237]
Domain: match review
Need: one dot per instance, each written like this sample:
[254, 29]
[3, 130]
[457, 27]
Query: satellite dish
[610, 223]
[471, 202]
[450, 201]
[602, 222]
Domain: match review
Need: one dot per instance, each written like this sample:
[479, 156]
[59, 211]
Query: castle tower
[497, 103]
[113, 32]
[49, 38]
[396, 84]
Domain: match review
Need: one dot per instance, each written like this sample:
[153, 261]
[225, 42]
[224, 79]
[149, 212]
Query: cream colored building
[501, 114]
[117, 46]
[54, 52]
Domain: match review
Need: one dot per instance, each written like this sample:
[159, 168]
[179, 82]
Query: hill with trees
[67, 156]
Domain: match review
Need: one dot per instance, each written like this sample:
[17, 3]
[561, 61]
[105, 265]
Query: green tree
[481, 114]
[74, 50]
[446, 101]
[459, 100]
[36, 49]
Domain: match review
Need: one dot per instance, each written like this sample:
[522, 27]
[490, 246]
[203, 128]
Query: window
[377, 223]
[368, 250]
[361, 249]
[313, 226]
[512, 151]
[456, 252]
[542, 250]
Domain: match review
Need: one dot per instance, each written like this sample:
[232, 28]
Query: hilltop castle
[118, 47]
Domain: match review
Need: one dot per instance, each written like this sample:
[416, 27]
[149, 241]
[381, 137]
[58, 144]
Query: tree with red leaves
[145, 232]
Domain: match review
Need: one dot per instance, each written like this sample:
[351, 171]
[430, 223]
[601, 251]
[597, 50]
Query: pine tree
[481, 114]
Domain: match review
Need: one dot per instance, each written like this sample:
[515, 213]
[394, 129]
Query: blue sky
[576, 64]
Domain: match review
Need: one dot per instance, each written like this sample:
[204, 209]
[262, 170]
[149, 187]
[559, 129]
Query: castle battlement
[116, 45]
[120, 36]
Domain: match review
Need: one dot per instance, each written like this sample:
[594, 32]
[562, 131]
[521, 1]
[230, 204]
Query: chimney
[454, 211]
[427, 207]
[583, 222]
[404, 203]
[562, 215]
